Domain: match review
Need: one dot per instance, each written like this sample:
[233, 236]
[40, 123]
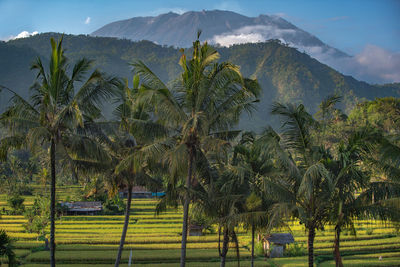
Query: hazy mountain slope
[284, 73]
[14, 70]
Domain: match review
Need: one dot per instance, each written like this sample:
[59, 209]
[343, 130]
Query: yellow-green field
[155, 241]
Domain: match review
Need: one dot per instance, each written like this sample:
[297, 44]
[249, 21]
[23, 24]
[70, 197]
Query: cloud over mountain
[373, 64]
[228, 28]
[23, 34]
[252, 34]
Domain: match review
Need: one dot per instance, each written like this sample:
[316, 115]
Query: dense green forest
[285, 74]
[176, 131]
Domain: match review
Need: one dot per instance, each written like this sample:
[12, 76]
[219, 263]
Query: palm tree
[57, 115]
[378, 198]
[6, 248]
[128, 138]
[305, 188]
[251, 158]
[203, 104]
[221, 197]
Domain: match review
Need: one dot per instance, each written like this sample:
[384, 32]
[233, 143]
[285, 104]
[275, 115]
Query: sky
[349, 25]
[367, 30]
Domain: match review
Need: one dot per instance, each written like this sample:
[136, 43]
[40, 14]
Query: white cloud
[23, 34]
[88, 19]
[252, 34]
[231, 39]
[373, 64]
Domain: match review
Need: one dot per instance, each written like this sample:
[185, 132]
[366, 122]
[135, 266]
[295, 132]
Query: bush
[200, 219]
[24, 190]
[294, 250]
[259, 249]
[16, 203]
[114, 206]
[38, 217]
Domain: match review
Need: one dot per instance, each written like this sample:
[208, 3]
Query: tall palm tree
[57, 115]
[206, 100]
[350, 178]
[221, 197]
[377, 198]
[128, 138]
[254, 162]
[306, 187]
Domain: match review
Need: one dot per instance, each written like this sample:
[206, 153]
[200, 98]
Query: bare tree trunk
[52, 203]
[225, 247]
[125, 229]
[311, 236]
[186, 208]
[338, 257]
[252, 244]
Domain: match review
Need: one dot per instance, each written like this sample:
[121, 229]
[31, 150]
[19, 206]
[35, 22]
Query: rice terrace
[175, 133]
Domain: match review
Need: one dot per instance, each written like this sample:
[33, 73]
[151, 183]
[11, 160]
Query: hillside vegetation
[284, 73]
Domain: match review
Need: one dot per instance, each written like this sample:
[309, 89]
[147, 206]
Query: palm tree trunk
[225, 247]
[75, 177]
[186, 208]
[52, 203]
[125, 229]
[338, 258]
[252, 244]
[311, 236]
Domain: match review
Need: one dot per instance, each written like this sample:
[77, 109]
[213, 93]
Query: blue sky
[349, 25]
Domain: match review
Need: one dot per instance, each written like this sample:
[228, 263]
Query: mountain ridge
[285, 74]
[178, 29]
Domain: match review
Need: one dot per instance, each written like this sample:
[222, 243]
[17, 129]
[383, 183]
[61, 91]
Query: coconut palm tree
[202, 105]
[377, 198]
[305, 188]
[58, 115]
[253, 160]
[221, 197]
[128, 138]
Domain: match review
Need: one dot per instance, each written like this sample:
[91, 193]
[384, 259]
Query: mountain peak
[220, 27]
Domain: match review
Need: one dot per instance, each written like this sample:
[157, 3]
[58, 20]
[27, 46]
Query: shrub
[114, 205]
[16, 203]
[38, 216]
[259, 249]
[294, 250]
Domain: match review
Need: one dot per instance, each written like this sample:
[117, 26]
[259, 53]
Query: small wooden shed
[279, 240]
[195, 230]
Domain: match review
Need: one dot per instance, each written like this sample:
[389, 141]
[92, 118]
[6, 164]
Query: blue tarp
[158, 194]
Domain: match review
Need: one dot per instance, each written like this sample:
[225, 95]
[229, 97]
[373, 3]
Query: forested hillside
[284, 73]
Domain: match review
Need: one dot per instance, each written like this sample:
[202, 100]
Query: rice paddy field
[155, 241]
